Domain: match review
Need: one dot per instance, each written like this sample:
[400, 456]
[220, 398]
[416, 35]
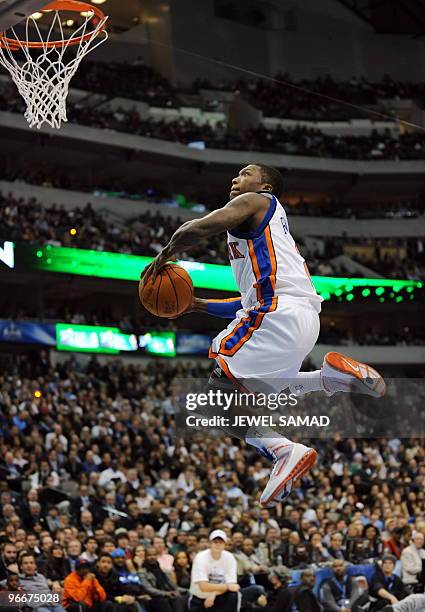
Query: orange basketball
[170, 294]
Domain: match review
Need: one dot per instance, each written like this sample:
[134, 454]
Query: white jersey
[278, 323]
[266, 263]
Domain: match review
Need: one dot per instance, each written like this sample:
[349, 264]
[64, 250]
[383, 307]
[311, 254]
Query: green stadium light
[122, 266]
[162, 344]
[349, 297]
[366, 292]
[93, 339]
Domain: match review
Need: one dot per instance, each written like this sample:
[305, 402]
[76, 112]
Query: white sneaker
[286, 491]
[342, 373]
[291, 462]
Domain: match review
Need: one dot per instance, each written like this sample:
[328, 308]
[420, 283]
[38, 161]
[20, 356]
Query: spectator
[34, 582]
[412, 563]
[317, 551]
[249, 567]
[386, 586]
[90, 548]
[137, 559]
[82, 591]
[279, 597]
[337, 546]
[157, 584]
[46, 543]
[57, 566]
[121, 565]
[268, 549]
[300, 598]
[114, 589]
[7, 558]
[265, 522]
[165, 560]
[12, 583]
[84, 501]
[73, 552]
[214, 577]
[303, 597]
[86, 522]
[391, 538]
[182, 570]
[372, 545]
[341, 592]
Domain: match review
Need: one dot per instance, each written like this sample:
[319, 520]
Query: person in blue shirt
[392, 593]
[386, 586]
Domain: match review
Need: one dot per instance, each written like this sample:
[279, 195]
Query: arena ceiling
[391, 16]
[123, 15]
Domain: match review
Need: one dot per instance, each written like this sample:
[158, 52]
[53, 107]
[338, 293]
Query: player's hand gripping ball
[170, 294]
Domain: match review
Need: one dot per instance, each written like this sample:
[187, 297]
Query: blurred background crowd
[33, 222]
[93, 468]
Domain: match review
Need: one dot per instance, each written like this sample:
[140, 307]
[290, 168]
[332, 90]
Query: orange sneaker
[342, 373]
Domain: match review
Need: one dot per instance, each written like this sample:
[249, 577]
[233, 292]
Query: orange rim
[58, 5]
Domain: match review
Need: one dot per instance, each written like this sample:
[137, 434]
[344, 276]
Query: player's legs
[271, 359]
[291, 460]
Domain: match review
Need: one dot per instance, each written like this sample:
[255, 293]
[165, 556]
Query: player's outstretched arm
[226, 308]
[237, 211]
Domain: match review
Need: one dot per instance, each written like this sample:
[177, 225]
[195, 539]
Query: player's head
[257, 177]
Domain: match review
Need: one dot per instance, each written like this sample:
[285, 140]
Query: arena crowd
[49, 176]
[138, 81]
[298, 140]
[98, 484]
[148, 233]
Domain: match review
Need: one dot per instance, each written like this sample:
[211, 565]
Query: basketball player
[275, 322]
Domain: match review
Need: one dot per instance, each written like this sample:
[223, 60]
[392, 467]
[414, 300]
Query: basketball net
[47, 64]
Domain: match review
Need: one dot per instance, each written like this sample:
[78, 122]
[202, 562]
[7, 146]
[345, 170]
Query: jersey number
[285, 225]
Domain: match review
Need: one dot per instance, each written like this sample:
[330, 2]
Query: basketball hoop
[43, 75]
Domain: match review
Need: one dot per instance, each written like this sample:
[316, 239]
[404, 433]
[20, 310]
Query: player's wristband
[225, 309]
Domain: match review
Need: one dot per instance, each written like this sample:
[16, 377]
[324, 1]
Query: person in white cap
[214, 577]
